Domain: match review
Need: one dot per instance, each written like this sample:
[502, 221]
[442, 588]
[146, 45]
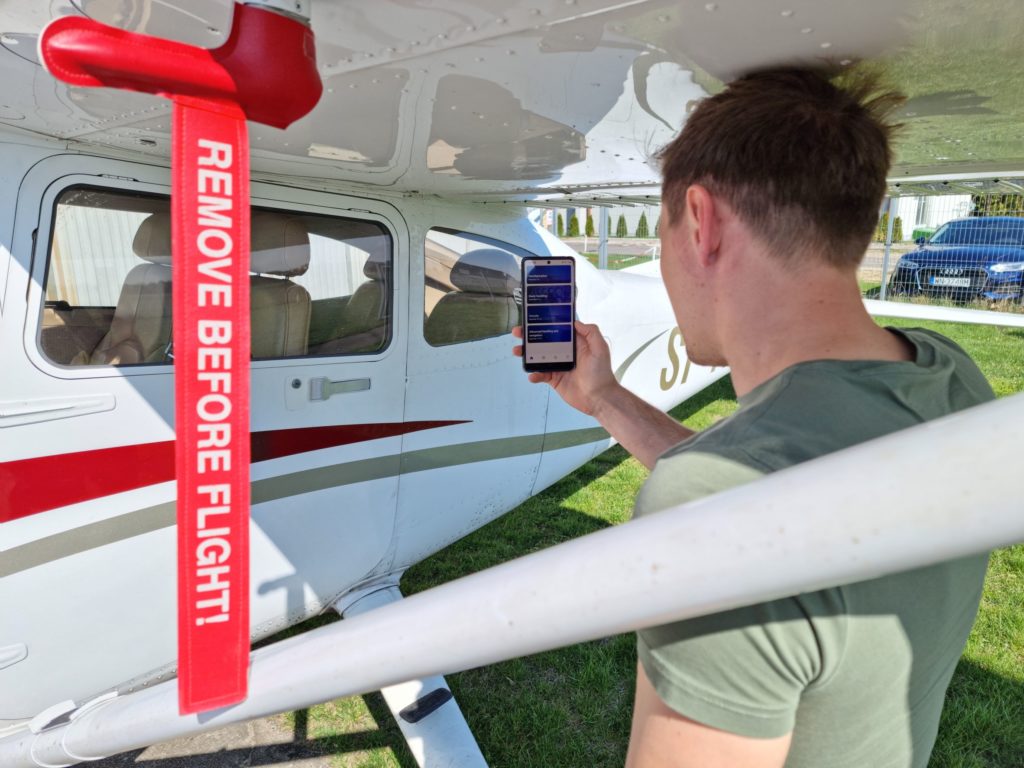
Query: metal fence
[958, 249]
[613, 235]
[945, 243]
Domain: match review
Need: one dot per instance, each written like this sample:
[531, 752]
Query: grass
[571, 707]
[619, 260]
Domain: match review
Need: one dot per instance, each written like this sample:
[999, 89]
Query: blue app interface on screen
[548, 312]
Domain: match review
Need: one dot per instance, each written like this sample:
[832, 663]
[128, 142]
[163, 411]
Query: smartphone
[549, 309]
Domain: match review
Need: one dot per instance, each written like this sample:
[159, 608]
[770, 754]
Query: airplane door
[87, 470]
[328, 389]
[483, 462]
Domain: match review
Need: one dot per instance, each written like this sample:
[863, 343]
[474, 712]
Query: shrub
[997, 205]
[574, 226]
[883, 227]
[560, 225]
[641, 226]
[620, 227]
[590, 224]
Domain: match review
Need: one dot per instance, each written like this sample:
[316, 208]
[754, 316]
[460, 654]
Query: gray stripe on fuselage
[77, 540]
[86, 537]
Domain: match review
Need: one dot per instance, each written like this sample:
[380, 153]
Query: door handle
[322, 388]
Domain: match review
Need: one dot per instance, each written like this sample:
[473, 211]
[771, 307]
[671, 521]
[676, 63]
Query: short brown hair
[801, 161]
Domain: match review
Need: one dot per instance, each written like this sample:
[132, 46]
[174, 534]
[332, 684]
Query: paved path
[267, 742]
[631, 245]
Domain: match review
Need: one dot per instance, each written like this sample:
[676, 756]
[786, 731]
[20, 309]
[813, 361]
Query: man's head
[801, 162]
[779, 176]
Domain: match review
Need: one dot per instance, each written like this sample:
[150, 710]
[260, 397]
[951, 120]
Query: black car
[980, 257]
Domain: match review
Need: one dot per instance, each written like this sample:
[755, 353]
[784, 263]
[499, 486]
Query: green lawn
[571, 707]
[619, 260]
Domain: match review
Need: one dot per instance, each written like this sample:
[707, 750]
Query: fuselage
[351, 485]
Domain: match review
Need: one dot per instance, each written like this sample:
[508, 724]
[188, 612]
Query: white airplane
[388, 418]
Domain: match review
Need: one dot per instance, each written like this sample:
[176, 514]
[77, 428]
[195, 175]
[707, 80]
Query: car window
[319, 285]
[980, 232]
[471, 287]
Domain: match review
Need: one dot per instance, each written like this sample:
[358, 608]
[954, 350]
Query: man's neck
[816, 315]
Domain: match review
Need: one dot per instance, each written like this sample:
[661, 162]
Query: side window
[319, 285]
[471, 287]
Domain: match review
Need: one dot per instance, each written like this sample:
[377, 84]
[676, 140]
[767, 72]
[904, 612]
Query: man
[771, 194]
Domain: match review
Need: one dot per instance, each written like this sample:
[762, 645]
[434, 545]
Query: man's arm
[591, 387]
[662, 738]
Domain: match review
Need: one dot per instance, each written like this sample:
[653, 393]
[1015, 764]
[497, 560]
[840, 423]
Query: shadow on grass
[982, 721]
[539, 522]
[720, 390]
[271, 745]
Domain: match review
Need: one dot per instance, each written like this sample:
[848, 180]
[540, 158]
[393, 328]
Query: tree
[657, 227]
[574, 226]
[883, 229]
[997, 205]
[641, 226]
[620, 227]
[590, 224]
[560, 226]
[883, 224]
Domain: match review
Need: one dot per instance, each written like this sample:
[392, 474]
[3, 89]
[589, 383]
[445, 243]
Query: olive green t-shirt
[858, 672]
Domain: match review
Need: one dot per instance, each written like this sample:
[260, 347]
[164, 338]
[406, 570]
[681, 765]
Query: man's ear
[705, 223]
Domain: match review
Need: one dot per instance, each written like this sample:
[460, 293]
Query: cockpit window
[319, 285]
[471, 288]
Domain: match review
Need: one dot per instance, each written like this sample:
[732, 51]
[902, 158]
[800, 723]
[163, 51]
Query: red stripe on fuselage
[30, 486]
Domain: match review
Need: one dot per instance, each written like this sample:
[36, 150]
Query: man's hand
[592, 382]
[591, 387]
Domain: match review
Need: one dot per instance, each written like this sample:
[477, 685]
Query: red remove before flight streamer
[214, 92]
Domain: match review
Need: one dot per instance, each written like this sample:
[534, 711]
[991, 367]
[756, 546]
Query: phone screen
[549, 308]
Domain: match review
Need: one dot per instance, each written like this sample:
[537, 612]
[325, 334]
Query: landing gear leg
[425, 710]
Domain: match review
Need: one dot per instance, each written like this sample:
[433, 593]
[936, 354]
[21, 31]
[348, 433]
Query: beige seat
[362, 324]
[280, 308]
[140, 331]
[484, 305]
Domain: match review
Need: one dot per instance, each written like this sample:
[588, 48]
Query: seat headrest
[153, 239]
[279, 243]
[487, 270]
[378, 265]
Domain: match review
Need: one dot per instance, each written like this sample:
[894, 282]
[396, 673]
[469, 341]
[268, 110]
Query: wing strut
[797, 530]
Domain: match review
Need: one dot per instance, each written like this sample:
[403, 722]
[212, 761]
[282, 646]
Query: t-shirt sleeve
[741, 671]
[688, 476]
